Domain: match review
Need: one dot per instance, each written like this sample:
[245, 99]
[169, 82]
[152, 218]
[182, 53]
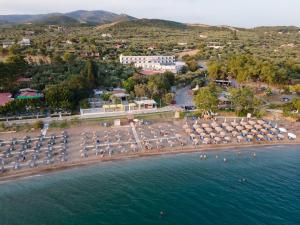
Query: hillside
[82, 16]
[147, 24]
[57, 20]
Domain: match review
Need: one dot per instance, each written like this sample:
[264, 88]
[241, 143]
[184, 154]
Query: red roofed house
[5, 98]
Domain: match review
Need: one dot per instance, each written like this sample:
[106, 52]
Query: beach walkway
[137, 139]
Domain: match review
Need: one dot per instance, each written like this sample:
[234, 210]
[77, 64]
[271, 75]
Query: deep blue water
[246, 190]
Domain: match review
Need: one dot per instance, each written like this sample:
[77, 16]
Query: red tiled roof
[150, 72]
[5, 98]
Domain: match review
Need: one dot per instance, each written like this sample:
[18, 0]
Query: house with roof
[7, 44]
[5, 98]
[28, 93]
[25, 42]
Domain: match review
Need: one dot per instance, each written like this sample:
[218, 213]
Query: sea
[253, 186]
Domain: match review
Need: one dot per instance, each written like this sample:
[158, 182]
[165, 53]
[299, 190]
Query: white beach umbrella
[196, 126]
[225, 124]
[239, 128]
[282, 130]
[234, 124]
[227, 139]
[206, 141]
[251, 122]
[267, 126]
[203, 134]
[292, 136]
[212, 135]
[208, 129]
[218, 129]
[239, 138]
[214, 124]
[254, 131]
[205, 125]
[188, 130]
[248, 127]
[199, 130]
[243, 123]
[234, 133]
[244, 132]
[258, 127]
[264, 131]
[261, 122]
[217, 139]
[250, 137]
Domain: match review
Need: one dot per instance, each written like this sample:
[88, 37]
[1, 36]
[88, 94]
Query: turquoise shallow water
[246, 190]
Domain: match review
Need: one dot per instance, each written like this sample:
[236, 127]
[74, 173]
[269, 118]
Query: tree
[244, 101]
[206, 100]
[140, 90]
[193, 65]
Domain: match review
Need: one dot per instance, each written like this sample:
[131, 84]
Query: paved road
[183, 98]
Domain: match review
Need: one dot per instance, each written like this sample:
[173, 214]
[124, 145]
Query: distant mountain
[81, 16]
[57, 20]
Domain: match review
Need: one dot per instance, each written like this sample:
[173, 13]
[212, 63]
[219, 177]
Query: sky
[240, 13]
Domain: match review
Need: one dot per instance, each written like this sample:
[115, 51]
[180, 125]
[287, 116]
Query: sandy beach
[127, 142]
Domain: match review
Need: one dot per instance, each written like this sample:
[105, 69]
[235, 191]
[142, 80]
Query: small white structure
[24, 42]
[7, 44]
[106, 35]
[146, 104]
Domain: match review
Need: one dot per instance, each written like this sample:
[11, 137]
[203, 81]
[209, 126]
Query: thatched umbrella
[234, 124]
[222, 134]
[196, 126]
[251, 122]
[260, 122]
[248, 127]
[199, 130]
[214, 124]
[243, 123]
[267, 126]
[205, 125]
[212, 135]
[185, 126]
[258, 127]
[217, 139]
[280, 137]
[239, 138]
[239, 128]
[189, 130]
[208, 129]
[225, 124]
[253, 131]
[218, 129]
[228, 139]
[229, 128]
[234, 133]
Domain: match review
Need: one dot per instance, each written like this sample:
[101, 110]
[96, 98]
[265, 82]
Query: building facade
[155, 63]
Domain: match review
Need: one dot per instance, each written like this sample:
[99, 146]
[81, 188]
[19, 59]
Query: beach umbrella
[267, 126]
[239, 138]
[243, 123]
[208, 129]
[254, 131]
[251, 122]
[263, 131]
[185, 126]
[249, 137]
[227, 139]
[229, 128]
[218, 129]
[214, 124]
[270, 136]
[234, 124]
[222, 134]
[205, 125]
[280, 136]
[206, 141]
[189, 130]
[244, 132]
[258, 127]
[196, 126]
[225, 124]
[239, 128]
[261, 122]
[273, 130]
[282, 130]
[248, 127]
[212, 135]
[217, 139]
[199, 130]
[292, 136]
[260, 137]
[192, 135]
[203, 134]
[234, 133]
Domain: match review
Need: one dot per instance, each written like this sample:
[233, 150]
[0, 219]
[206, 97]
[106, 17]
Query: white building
[24, 42]
[7, 44]
[156, 63]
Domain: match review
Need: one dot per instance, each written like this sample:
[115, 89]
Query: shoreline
[36, 172]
